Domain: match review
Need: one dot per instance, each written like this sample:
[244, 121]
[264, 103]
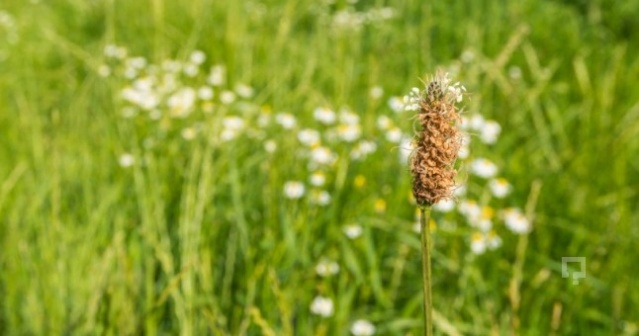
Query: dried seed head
[438, 141]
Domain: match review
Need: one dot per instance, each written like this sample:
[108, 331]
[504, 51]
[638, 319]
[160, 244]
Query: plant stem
[428, 297]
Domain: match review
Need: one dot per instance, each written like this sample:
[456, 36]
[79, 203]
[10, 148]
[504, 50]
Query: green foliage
[196, 237]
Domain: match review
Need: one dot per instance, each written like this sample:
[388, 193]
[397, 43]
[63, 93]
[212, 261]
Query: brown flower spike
[438, 141]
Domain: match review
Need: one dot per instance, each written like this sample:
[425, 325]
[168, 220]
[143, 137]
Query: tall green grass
[199, 240]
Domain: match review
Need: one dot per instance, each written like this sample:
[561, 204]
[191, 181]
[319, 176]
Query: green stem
[428, 297]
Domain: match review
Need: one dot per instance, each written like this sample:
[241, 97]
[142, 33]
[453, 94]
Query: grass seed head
[438, 141]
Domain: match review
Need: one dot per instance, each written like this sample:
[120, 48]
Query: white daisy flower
[326, 268]
[227, 97]
[308, 137]
[321, 197]
[478, 243]
[483, 168]
[317, 179]
[181, 102]
[470, 209]
[270, 146]
[217, 74]
[362, 328]
[493, 241]
[516, 221]
[394, 135]
[477, 122]
[191, 70]
[205, 93]
[376, 92]
[287, 121]
[499, 187]
[322, 306]
[445, 205]
[396, 104]
[126, 160]
[490, 132]
[197, 57]
[384, 122]
[347, 117]
[322, 156]
[353, 231]
[324, 115]
[294, 189]
[244, 90]
[349, 132]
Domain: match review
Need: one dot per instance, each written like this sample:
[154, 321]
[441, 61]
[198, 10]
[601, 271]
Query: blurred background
[240, 167]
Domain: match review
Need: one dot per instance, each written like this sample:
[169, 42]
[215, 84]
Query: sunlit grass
[195, 234]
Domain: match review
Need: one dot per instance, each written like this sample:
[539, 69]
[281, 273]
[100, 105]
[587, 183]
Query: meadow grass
[197, 237]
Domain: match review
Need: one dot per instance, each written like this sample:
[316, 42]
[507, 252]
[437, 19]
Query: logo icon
[565, 272]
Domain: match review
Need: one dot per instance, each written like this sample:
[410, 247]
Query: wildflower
[483, 168]
[294, 189]
[270, 146]
[104, 70]
[499, 187]
[360, 181]
[347, 117]
[308, 137]
[216, 76]
[493, 240]
[171, 66]
[205, 93]
[437, 144]
[406, 148]
[363, 149]
[477, 122]
[384, 122]
[322, 156]
[362, 328]
[189, 133]
[244, 90]
[324, 115]
[489, 133]
[181, 102]
[459, 191]
[126, 160]
[321, 197]
[113, 51]
[376, 92]
[478, 243]
[349, 132]
[380, 206]
[470, 209]
[197, 57]
[445, 205]
[394, 135]
[227, 97]
[322, 306]
[232, 127]
[287, 121]
[353, 231]
[396, 104]
[233, 123]
[191, 70]
[318, 179]
[516, 221]
[326, 268]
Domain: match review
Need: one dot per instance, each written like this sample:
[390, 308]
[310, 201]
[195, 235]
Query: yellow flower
[380, 205]
[360, 181]
[487, 212]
